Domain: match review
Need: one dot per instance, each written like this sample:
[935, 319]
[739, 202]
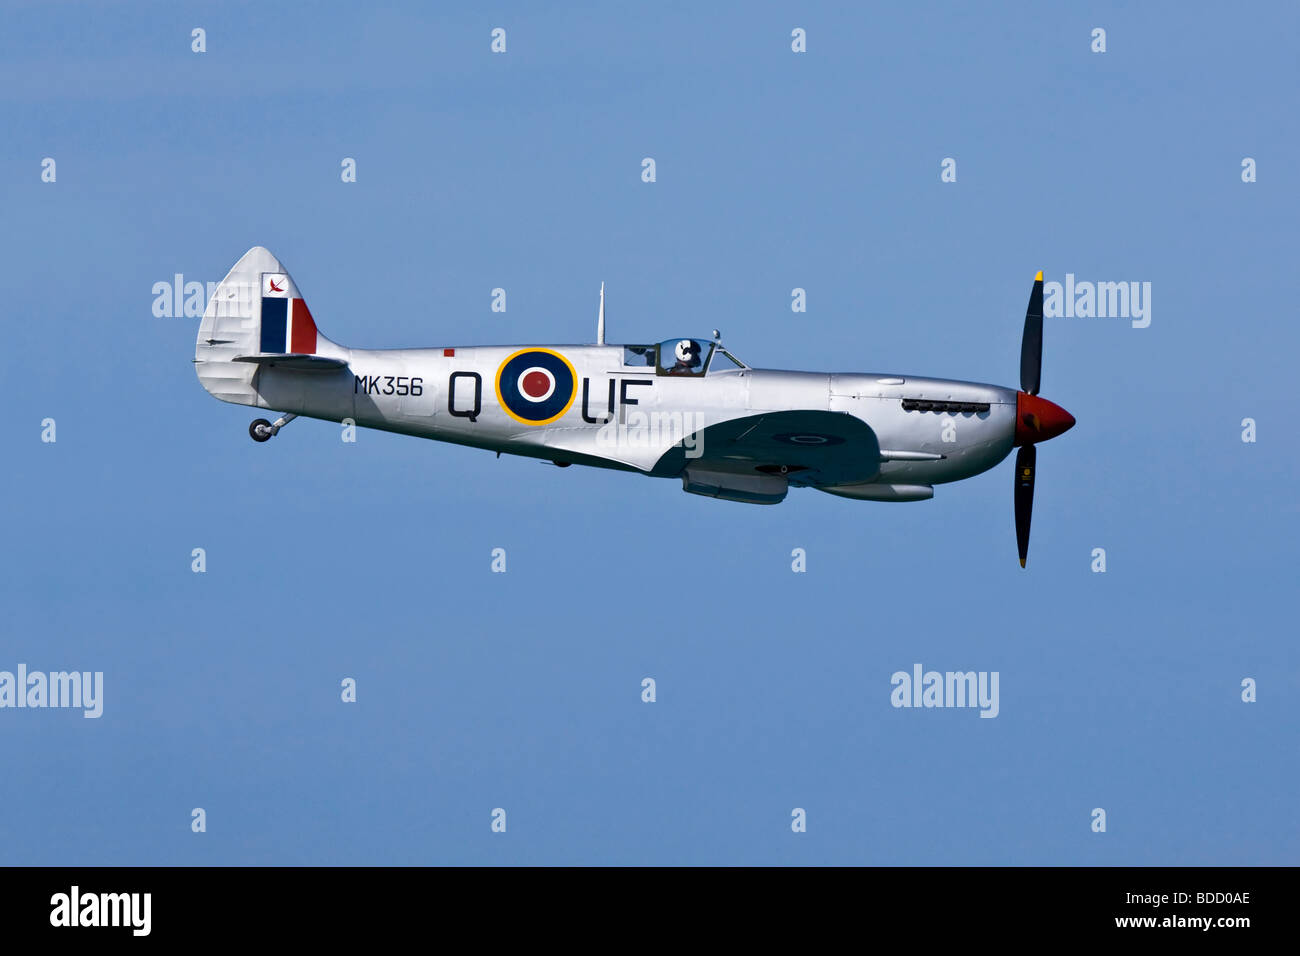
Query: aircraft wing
[814, 447]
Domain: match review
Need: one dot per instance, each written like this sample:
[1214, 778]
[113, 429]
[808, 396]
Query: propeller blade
[1026, 466]
[1031, 346]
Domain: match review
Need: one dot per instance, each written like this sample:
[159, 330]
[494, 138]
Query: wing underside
[767, 451]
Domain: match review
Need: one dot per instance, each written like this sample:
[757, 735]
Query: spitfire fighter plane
[683, 408]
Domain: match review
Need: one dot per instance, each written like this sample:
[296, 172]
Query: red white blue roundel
[536, 386]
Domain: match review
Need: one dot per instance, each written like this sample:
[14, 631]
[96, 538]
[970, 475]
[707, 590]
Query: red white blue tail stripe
[287, 325]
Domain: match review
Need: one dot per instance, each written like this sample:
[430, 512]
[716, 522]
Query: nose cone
[1037, 419]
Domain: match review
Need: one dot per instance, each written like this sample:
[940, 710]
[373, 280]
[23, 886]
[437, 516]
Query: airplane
[684, 408]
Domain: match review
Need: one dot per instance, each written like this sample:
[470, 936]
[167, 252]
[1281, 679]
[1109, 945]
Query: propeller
[1026, 463]
[1031, 344]
[1037, 419]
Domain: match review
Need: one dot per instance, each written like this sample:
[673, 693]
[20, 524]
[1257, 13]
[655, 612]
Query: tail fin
[255, 315]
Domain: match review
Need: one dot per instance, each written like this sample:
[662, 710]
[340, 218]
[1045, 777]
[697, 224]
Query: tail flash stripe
[304, 329]
[274, 321]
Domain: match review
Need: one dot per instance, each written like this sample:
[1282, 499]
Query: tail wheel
[260, 430]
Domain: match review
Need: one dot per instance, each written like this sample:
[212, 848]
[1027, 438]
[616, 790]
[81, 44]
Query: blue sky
[521, 690]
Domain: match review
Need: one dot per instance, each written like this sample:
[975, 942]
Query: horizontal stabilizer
[302, 363]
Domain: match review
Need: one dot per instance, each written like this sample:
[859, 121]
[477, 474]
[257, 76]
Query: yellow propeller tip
[1022, 562]
[1039, 277]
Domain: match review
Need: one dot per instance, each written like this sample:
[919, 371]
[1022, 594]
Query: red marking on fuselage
[536, 384]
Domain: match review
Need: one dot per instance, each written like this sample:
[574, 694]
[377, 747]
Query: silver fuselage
[457, 402]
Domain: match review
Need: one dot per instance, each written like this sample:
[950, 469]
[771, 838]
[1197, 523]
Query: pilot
[688, 358]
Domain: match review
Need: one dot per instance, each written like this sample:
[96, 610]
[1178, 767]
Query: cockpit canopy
[686, 357]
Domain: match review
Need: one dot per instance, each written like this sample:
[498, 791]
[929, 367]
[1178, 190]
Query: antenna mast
[600, 322]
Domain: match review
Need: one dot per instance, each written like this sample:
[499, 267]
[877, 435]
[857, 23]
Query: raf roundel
[536, 386]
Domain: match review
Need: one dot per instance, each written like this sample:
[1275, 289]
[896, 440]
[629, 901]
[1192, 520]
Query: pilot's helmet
[688, 352]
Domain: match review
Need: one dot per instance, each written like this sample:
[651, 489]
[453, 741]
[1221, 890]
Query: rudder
[256, 311]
